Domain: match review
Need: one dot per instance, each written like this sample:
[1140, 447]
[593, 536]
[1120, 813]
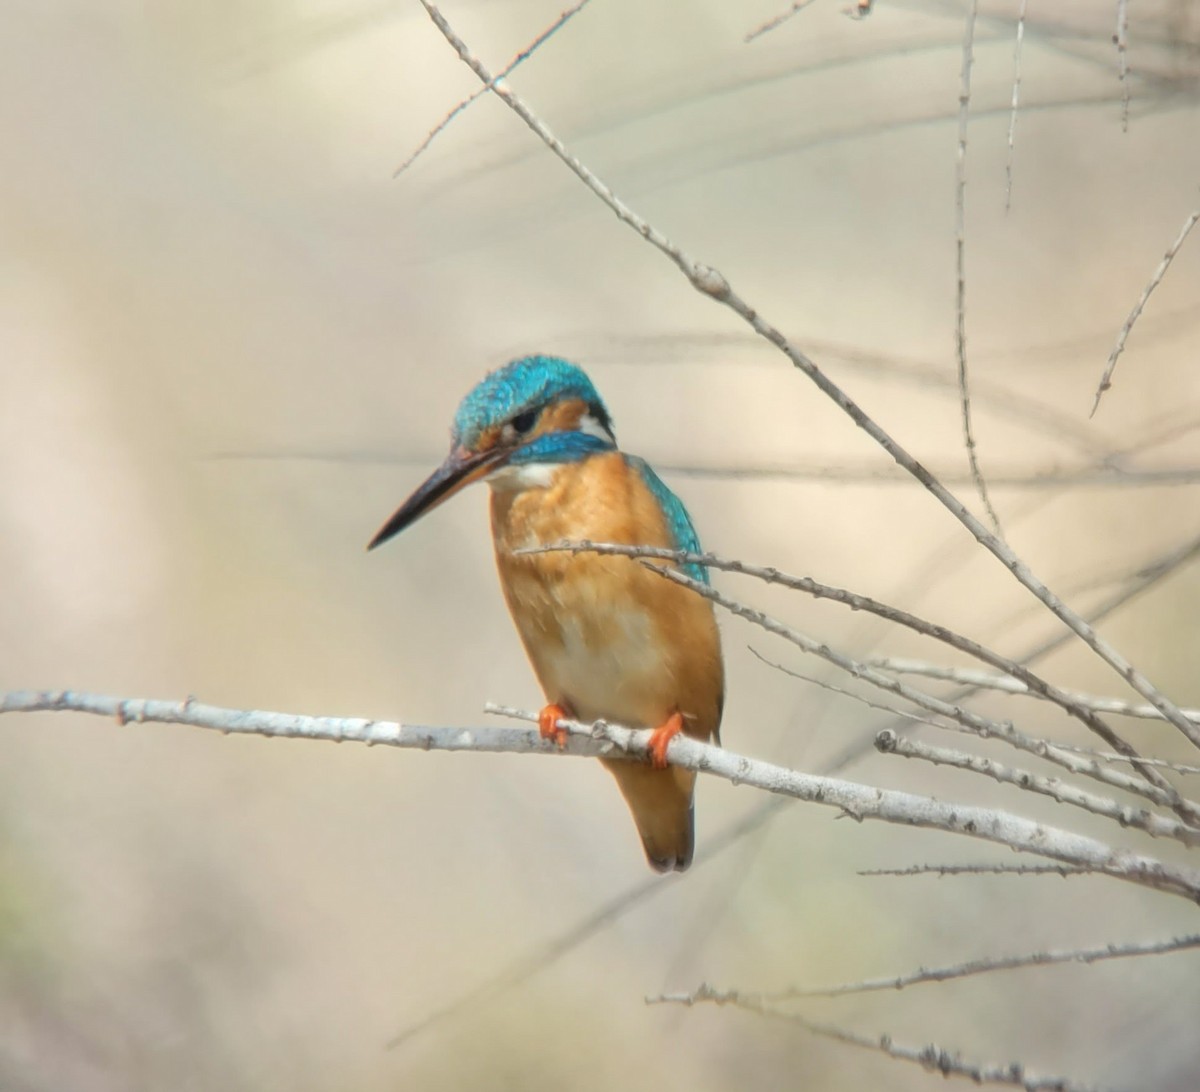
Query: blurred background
[231, 343]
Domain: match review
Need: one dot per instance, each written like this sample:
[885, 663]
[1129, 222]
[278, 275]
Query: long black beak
[460, 469]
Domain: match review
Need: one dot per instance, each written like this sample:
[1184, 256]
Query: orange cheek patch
[561, 417]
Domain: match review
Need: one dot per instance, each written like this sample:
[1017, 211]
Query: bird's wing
[679, 522]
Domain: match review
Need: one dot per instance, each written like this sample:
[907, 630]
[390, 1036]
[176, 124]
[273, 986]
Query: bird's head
[519, 420]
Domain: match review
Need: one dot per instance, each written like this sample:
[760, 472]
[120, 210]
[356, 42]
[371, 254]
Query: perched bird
[607, 638]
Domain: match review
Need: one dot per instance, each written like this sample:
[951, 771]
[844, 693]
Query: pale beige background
[230, 343]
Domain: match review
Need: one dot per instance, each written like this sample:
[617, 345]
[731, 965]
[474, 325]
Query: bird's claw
[548, 720]
[661, 737]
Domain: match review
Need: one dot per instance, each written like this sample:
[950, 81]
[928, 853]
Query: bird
[607, 638]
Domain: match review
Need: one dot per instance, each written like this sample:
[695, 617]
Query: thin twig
[711, 282]
[777, 21]
[1145, 578]
[1016, 98]
[977, 966]
[933, 1058]
[1061, 754]
[1108, 756]
[1121, 41]
[960, 241]
[833, 688]
[1006, 684]
[1157, 826]
[519, 59]
[1156, 277]
[1073, 759]
[979, 870]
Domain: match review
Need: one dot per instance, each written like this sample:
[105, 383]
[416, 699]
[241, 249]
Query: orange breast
[606, 637]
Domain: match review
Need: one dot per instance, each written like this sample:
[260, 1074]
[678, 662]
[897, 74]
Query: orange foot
[661, 736]
[547, 724]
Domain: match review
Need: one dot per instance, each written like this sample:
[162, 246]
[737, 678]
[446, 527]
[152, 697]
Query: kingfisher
[607, 638]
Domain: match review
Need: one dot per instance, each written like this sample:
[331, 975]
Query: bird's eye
[523, 422]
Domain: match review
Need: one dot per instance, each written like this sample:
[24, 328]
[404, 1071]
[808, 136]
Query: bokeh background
[231, 343]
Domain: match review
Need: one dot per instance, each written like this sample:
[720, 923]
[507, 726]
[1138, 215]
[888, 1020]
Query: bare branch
[1155, 278]
[932, 1057]
[1061, 754]
[1187, 810]
[1111, 475]
[888, 742]
[1131, 585]
[979, 870]
[833, 688]
[861, 802]
[1072, 759]
[960, 241]
[974, 967]
[712, 283]
[1108, 756]
[1121, 41]
[777, 21]
[987, 680]
[519, 59]
[292, 725]
[1016, 98]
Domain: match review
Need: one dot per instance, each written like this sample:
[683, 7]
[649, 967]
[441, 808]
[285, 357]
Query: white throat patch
[519, 476]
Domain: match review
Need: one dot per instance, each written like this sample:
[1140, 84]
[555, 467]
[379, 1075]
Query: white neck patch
[520, 476]
[593, 427]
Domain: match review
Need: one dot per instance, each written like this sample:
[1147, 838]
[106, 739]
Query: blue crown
[528, 383]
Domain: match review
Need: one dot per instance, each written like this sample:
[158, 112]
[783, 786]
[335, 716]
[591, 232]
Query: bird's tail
[661, 803]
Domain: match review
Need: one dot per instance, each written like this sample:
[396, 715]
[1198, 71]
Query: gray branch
[996, 963]
[931, 1057]
[861, 802]
[1157, 826]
